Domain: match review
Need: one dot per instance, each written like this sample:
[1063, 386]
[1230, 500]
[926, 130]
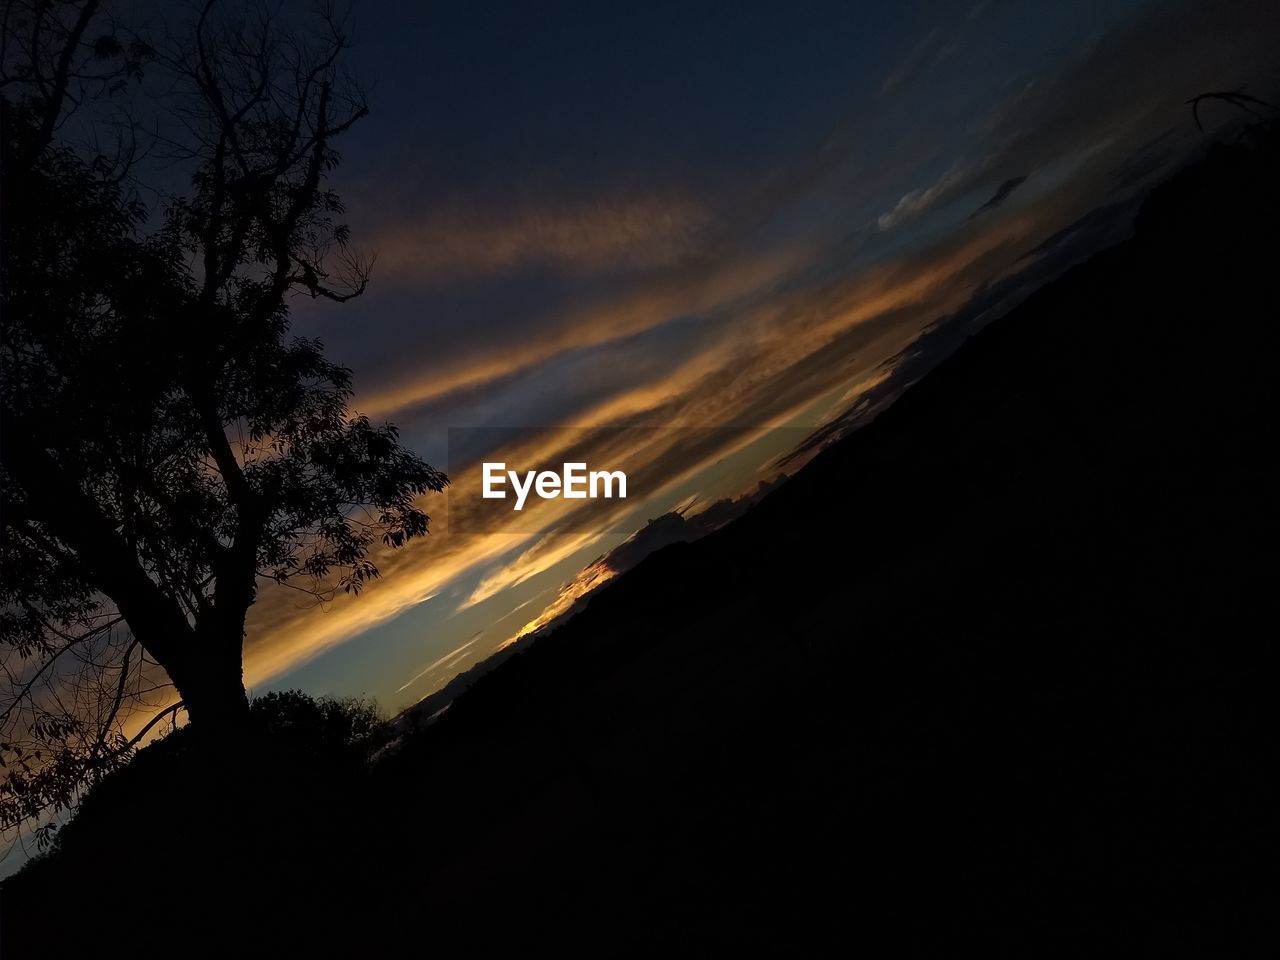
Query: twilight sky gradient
[699, 215]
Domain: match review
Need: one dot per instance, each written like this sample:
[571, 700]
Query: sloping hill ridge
[996, 668]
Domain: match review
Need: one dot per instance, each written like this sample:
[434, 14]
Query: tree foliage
[167, 443]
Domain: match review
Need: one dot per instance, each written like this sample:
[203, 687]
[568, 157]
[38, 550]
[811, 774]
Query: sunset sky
[701, 215]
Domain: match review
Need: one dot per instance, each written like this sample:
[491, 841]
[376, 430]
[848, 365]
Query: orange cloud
[714, 286]
[776, 356]
[634, 233]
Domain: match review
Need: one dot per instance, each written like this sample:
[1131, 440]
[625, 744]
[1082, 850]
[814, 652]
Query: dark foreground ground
[998, 670]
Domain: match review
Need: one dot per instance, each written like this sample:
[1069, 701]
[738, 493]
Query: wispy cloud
[920, 56]
[442, 246]
[1003, 192]
[543, 555]
[765, 363]
[712, 286]
[915, 202]
[449, 658]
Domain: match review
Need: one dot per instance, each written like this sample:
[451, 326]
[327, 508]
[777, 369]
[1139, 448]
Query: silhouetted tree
[165, 442]
[1236, 98]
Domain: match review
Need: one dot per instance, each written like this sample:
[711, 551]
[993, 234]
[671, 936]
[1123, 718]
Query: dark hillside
[997, 669]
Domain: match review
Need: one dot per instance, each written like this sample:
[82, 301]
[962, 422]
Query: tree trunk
[217, 707]
[211, 683]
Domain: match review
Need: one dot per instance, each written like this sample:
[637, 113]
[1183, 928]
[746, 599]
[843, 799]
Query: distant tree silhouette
[165, 443]
[1237, 98]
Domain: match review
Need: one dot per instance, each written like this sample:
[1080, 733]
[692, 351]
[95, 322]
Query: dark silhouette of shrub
[236, 844]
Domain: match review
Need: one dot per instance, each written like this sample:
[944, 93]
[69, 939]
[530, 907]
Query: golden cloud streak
[591, 327]
[636, 233]
[744, 374]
